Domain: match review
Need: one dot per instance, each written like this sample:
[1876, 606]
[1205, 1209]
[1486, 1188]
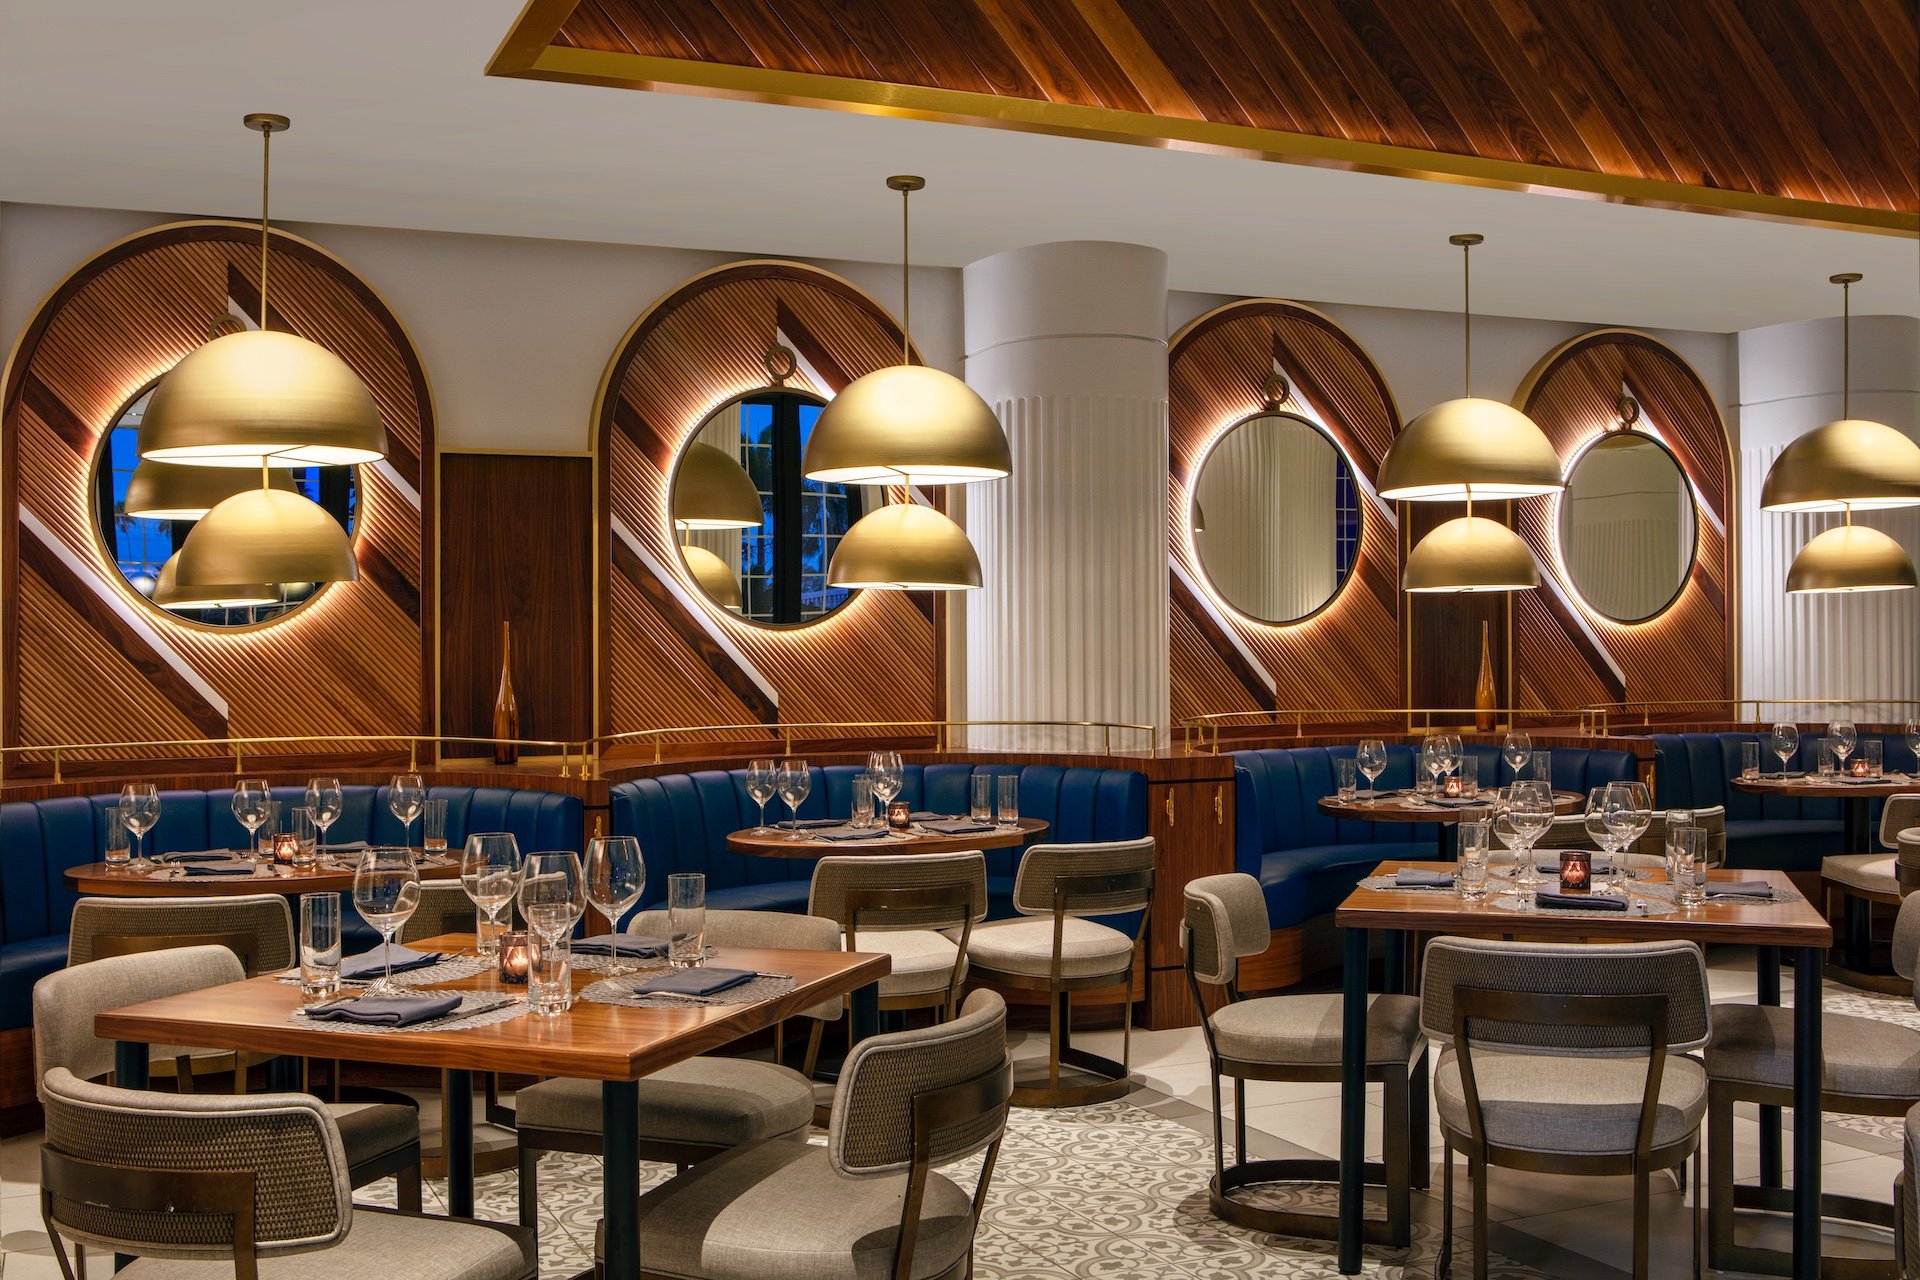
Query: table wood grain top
[1408, 808]
[780, 844]
[589, 1041]
[1788, 921]
[106, 880]
[1810, 787]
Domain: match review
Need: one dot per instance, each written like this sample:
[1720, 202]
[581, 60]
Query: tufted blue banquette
[1307, 862]
[682, 821]
[41, 839]
[1693, 770]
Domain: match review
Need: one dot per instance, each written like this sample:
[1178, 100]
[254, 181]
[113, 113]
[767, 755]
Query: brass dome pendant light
[905, 547]
[266, 535]
[260, 396]
[721, 583]
[713, 491]
[1470, 553]
[907, 422]
[169, 594]
[169, 491]
[1850, 558]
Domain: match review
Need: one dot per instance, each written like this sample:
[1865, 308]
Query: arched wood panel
[1347, 654]
[668, 656]
[85, 658]
[1567, 654]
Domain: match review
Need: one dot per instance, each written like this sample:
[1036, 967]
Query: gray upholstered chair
[695, 1109]
[1297, 1038]
[1906, 1235]
[215, 1186]
[1050, 946]
[898, 905]
[1869, 1068]
[1566, 1058]
[381, 1140]
[1569, 831]
[444, 908]
[868, 1203]
[1855, 883]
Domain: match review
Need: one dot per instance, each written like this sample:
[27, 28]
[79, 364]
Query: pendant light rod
[906, 184]
[1846, 280]
[267, 125]
[1466, 241]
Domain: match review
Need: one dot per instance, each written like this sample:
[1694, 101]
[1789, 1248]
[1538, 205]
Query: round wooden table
[779, 844]
[103, 880]
[1403, 807]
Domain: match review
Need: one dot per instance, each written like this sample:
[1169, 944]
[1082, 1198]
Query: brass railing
[1646, 708]
[942, 731]
[1202, 732]
[237, 747]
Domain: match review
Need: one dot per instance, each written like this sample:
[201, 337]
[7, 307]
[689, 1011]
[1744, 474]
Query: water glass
[306, 836]
[433, 826]
[1873, 751]
[549, 974]
[1470, 872]
[116, 848]
[980, 797]
[1749, 759]
[269, 825]
[1682, 852]
[686, 919]
[1344, 771]
[1540, 766]
[1009, 803]
[319, 945]
[1424, 782]
[862, 815]
[1824, 757]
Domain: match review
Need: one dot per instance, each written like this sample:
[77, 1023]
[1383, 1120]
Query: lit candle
[1859, 768]
[1453, 786]
[286, 846]
[1576, 866]
[899, 815]
[516, 956]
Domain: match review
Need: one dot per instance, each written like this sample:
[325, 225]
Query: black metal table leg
[620, 1176]
[1767, 972]
[1808, 966]
[456, 1138]
[130, 1064]
[283, 1074]
[1449, 842]
[1353, 1096]
[1859, 925]
[1394, 964]
[865, 1014]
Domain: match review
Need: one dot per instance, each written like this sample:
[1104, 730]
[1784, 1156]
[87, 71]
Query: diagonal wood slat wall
[1348, 654]
[879, 657]
[357, 659]
[1686, 651]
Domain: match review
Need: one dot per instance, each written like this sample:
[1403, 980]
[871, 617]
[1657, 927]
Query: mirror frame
[676, 533]
[1193, 501]
[1560, 526]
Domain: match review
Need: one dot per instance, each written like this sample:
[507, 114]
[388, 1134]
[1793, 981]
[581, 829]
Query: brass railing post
[413, 755]
[56, 764]
[239, 755]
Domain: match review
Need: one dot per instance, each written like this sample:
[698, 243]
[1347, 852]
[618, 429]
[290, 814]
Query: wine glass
[616, 877]
[386, 890]
[553, 893]
[762, 777]
[490, 873]
[250, 800]
[1785, 741]
[1453, 754]
[1516, 750]
[326, 801]
[1430, 757]
[1530, 811]
[139, 811]
[1371, 756]
[1603, 804]
[1510, 839]
[1631, 817]
[1844, 736]
[406, 797]
[795, 781]
[888, 776]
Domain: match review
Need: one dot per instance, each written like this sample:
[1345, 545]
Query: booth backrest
[1692, 770]
[682, 819]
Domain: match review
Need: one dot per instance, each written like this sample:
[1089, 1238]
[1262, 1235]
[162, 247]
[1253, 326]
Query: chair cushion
[1024, 945]
[773, 895]
[371, 1129]
[779, 1209]
[1525, 1101]
[922, 960]
[1865, 1057]
[1868, 872]
[392, 1245]
[1305, 1029]
[718, 1102]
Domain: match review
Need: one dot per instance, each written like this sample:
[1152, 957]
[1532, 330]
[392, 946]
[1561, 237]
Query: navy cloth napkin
[928, 815]
[1743, 888]
[1458, 802]
[631, 944]
[807, 824]
[957, 826]
[388, 1011]
[1415, 878]
[202, 855]
[227, 869]
[1852, 781]
[371, 964]
[849, 833]
[1579, 901]
[694, 982]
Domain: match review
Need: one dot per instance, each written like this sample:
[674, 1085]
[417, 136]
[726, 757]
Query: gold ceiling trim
[527, 53]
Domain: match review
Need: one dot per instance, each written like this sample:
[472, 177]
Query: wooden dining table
[113, 880]
[1857, 799]
[1789, 923]
[779, 842]
[614, 1044]
[1407, 806]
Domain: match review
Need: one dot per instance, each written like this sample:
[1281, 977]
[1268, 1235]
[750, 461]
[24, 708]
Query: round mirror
[754, 534]
[1276, 517]
[139, 546]
[1627, 526]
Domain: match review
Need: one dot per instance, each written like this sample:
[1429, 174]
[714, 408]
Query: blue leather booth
[1307, 862]
[682, 821]
[1693, 770]
[41, 839]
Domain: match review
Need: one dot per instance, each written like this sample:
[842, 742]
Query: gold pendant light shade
[266, 535]
[905, 547]
[168, 491]
[1471, 553]
[712, 491]
[910, 422]
[262, 396]
[1493, 447]
[721, 584]
[169, 594]
[1849, 558]
[1850, 463]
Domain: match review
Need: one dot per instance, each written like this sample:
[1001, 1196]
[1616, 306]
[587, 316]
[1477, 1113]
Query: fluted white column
[1823, 646]
[1067, 342]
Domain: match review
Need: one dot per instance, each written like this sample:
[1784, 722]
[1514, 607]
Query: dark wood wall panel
[516, 546]
[1443, 637]
[879, 657]
[1345, 655]
[1685, 652]
[357, 659]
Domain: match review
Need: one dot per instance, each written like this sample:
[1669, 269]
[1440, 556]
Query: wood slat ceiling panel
[1816, 100]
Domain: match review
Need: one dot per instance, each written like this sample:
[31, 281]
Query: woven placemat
[620, 991]
[460, 1021]
[1391, 885]
[451, 969]
[1523, 904]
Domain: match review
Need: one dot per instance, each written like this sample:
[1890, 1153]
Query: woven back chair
[444, 908]
[898, 905]
[256, 927]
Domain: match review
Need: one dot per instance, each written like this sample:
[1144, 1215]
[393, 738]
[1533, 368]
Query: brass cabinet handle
[1219, 806]
[1169, 806]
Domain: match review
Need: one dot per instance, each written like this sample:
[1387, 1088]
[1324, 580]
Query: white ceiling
[133, 104]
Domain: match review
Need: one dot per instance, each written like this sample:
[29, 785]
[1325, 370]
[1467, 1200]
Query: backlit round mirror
[139, 546]
[1627, 526]
[1276, 518]
[754, 534]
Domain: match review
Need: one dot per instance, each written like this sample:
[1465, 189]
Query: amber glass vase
[1486, 699]
[506, 708]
